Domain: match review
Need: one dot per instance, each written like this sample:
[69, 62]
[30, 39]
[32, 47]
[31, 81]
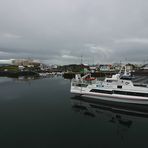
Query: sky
[63, 31]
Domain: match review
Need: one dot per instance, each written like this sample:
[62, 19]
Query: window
[109, 81]
[81, 85]
[131, 93]
[119, 86]
[120, 92]
[101, 91]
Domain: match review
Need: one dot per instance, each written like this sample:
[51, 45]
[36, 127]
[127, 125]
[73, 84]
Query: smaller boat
[44, 74]
[124, 74]
[88, 77]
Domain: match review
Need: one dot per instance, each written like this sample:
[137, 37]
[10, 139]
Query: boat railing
[78, 83]
[140, 85]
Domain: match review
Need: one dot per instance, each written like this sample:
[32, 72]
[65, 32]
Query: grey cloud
[60, 31]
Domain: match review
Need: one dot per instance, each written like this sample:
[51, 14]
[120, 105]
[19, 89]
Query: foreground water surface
[42, 113]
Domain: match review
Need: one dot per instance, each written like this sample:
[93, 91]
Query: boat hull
[112, 97]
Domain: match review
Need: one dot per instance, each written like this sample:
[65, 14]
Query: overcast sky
[61, 31]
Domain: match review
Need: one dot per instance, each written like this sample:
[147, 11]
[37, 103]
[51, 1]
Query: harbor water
[41, 113]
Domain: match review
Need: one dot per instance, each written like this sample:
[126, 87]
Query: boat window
[119, 86]
[120, 92]
[131, 93]
[141, 85]
[101, 91]
[109, 81]
[81, 85]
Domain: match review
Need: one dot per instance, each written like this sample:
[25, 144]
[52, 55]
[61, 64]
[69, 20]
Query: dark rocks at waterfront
[17, 74]
[140, 73]
[69, 75]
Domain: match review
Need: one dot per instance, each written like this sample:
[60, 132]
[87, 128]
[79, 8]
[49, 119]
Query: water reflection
[95, 107]
[26, 79]
[123, 117]
[5, 79]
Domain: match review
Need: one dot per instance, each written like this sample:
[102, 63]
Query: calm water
[42, 113]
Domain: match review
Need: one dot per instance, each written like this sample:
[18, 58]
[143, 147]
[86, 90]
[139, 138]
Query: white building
[54, 66]
[105, 67]
[25, 62]
[20, 62]
[6, 62]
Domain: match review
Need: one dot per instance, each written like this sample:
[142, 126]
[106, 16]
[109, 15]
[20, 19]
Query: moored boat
[111, 89]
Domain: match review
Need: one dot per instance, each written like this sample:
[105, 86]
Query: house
[144, 67]
[130, 67]
[105, 67]
[92, 68]
[116, 66]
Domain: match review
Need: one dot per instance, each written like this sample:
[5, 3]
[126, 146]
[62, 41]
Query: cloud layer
[61, 31]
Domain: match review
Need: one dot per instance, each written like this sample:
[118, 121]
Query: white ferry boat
[111, 89]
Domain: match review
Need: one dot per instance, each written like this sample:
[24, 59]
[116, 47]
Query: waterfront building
[93, 68]
[105, 67]
[5, 62]
[130, 67]
[26, 62]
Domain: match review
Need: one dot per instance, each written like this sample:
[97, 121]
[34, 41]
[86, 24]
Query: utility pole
[81, 59]
[93, 60]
